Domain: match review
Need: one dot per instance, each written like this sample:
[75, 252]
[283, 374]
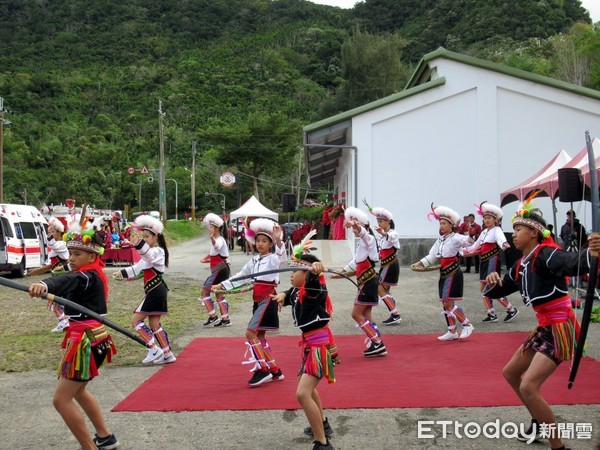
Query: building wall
[463, 143]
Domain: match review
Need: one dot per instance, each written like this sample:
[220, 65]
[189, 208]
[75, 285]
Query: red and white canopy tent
[546, 180]
[522, 190]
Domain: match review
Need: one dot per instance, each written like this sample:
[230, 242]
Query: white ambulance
[23, 239]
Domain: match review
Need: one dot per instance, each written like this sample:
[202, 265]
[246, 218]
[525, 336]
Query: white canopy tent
[253, 208]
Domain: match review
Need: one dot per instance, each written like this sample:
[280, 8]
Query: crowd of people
[540, 275]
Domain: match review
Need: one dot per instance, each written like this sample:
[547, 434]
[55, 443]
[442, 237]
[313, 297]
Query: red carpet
[418, 372]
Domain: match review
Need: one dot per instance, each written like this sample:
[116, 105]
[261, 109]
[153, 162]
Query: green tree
[372, 68]
[262, 143]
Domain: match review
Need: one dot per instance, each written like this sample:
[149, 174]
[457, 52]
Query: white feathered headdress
[353, 213]
[149, 223]
[382, 213]
[260, 226]
[487, 209]
[443, 212]
[213, 219]
[56, 224]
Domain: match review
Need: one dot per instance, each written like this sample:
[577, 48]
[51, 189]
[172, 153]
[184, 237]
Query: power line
[264, 180]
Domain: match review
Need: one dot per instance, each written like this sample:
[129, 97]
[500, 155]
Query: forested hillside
[82, 81]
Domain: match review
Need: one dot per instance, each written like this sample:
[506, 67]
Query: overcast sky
[593, 6]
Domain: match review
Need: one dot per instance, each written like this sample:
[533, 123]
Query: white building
[462, 131]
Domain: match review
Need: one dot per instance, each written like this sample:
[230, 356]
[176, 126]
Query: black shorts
[218, 276]
[265, 316]
[367, 295]
[389, 275]
[451, 286]
[155, 302]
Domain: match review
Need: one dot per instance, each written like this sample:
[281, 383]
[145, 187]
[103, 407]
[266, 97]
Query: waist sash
[489, 253]
[386, 260]
[449, 266]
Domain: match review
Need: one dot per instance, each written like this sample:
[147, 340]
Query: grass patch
[179, 231]
[596, 314]
[26, 342]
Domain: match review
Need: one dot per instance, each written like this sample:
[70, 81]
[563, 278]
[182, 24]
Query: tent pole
[554, 216]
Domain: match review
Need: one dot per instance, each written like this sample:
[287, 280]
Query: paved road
[28, 420]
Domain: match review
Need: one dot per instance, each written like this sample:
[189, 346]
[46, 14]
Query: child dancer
[389, 244]
[311, 311]
[219, 271]
[540, 277]
[263, 234]
[59, 255]
[489, 243]
[155, 258]
[364, 265]
[445, 250]
[86, 341]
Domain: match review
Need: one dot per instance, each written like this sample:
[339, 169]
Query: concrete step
[334, 254]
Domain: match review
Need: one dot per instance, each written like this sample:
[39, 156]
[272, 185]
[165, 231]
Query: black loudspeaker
[288, 203]
[570, 185]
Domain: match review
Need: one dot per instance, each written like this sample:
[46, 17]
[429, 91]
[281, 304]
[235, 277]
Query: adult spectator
[326, 220]
[473, 229]
[572, 233]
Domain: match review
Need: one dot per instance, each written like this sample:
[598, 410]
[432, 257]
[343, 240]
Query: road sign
[227, 179]
[144, 170]
[131, 170]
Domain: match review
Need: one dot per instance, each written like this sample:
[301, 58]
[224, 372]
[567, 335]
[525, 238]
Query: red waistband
[555, 311]
[445, 262]
[216, 260]
[362, 266]
[262, 289]
[385, 252]
[487, 246]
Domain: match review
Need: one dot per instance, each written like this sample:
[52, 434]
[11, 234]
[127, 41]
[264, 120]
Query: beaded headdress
[531, 217]
[82, 236]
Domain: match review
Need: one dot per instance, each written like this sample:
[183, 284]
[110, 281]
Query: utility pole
[193, 180]
[2, 111]
[161, 165]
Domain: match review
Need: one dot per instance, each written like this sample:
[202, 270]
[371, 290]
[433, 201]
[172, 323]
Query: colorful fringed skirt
[557, 330]
[87, 345]
[317, 360]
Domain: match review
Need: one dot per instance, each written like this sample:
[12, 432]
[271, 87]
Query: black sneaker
[210, 321]
[532, 431]
[277, 376]
[510, 315]
[326, 426]
[392, 320]
[319, 446]
[223, 323]
[491, 318]
[375, 350]
[107, 443]
[260, 377]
